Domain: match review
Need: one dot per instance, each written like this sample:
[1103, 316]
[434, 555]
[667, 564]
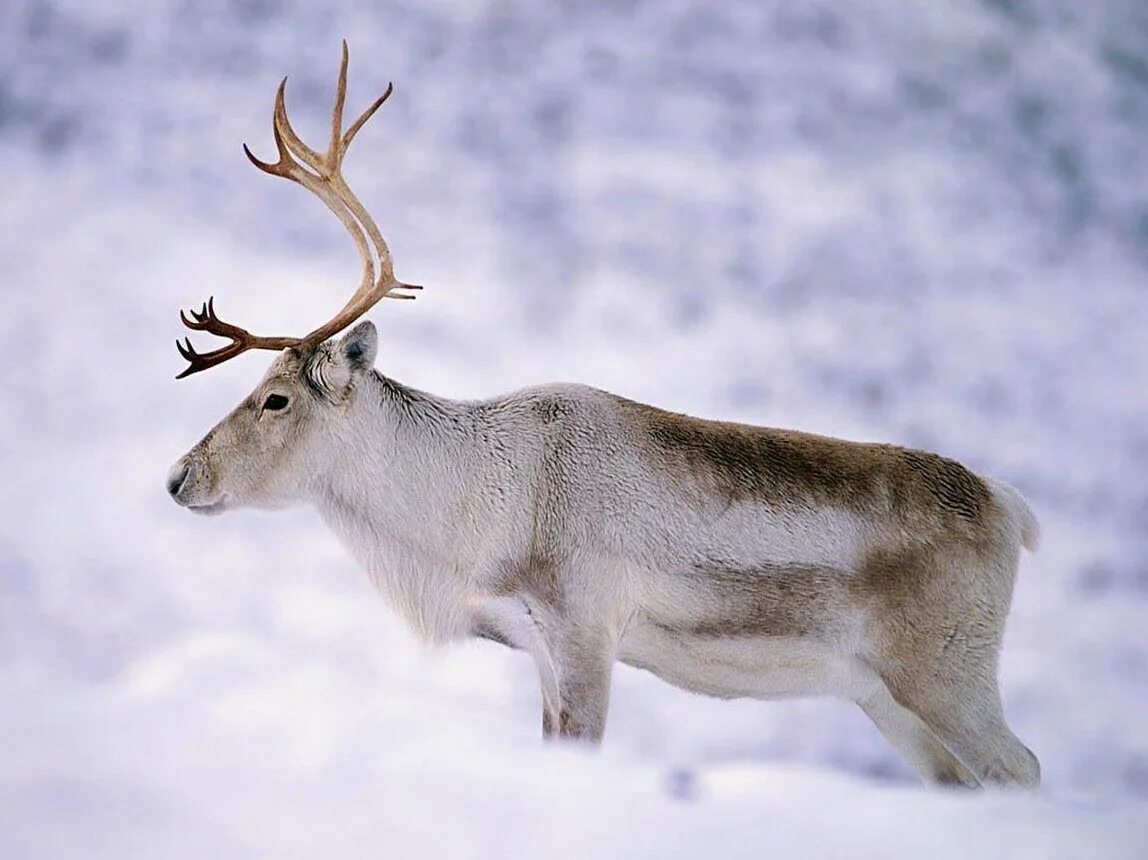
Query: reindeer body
[729, 560]
[586, 528]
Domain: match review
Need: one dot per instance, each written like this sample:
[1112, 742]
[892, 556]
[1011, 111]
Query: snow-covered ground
[924, 223]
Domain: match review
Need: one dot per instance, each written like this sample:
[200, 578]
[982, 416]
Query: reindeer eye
[274, 402]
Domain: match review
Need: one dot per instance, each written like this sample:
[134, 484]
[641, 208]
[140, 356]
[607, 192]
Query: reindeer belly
[767, 629]
[744, 665]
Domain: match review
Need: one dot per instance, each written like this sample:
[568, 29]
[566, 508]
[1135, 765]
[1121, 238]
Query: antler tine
[205, 319]
[334, 146]
[345, 144]
[286, 166]
[197, 361]
[281, 125]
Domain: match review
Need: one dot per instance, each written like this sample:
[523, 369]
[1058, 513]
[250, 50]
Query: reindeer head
[270, 448]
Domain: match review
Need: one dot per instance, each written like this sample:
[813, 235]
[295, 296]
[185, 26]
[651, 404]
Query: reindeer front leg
[582, 659]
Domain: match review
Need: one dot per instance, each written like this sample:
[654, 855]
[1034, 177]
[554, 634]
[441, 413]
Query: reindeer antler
[321, 174]
[241, 340]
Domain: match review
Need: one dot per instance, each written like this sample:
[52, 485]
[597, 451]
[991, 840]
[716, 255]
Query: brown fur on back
[740, 462]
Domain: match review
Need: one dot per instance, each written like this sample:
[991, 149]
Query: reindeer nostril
[177, 477]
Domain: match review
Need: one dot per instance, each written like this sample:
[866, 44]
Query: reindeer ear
[359, 346]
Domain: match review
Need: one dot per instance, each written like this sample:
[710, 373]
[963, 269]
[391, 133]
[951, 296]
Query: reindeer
[585, 528]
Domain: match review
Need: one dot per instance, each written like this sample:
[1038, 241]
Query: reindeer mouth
[210, 510]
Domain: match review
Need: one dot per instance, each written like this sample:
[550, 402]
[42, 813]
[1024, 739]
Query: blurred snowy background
[915, 222]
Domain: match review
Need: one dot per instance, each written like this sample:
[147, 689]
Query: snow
[917, 224]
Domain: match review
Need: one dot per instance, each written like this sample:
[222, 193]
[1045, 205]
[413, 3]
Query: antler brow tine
[322, 175]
